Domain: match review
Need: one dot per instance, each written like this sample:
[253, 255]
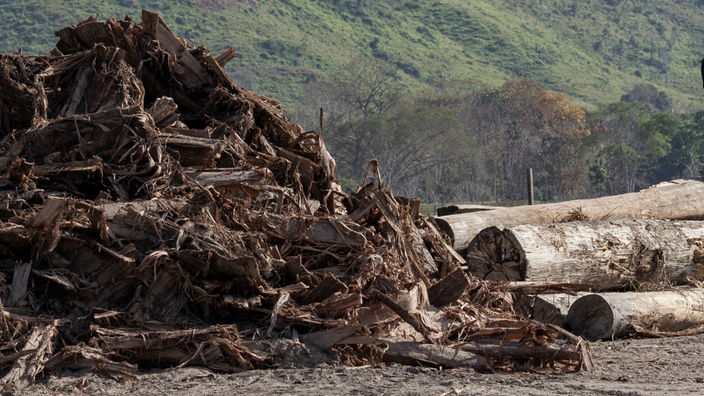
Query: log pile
[155, 214]
[635, 249]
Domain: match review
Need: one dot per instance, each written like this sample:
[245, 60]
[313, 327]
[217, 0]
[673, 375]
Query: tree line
[461, 143]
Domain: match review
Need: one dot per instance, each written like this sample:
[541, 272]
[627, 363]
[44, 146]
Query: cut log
[609, 315]
[545, 287]
[91, 166]
[603, 255]
[216, 347]
[192, 151]
[676, 200]
[318, 230]
[552, 308]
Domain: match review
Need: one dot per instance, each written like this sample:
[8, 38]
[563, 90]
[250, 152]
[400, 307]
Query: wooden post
[531, 201]
[321, 121]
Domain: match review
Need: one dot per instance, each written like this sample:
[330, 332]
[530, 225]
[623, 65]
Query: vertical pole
[321, 121]
[531, 201]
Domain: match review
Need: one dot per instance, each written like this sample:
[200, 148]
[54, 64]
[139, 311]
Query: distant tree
[521, 125]
[686, 140]
[354, 104]
[631, 148]
[418, 138]
[611, 152]
[649, 95]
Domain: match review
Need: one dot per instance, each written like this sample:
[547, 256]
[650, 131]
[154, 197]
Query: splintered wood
[156, 214]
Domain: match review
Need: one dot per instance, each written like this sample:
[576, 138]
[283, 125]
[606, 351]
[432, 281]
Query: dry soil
[624, 367]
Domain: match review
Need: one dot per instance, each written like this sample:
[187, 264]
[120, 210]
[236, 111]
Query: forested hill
[593, 50]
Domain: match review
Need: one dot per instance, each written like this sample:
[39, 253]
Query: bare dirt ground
[625, 367]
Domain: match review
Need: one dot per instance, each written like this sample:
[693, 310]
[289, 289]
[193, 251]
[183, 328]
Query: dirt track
[627, 367]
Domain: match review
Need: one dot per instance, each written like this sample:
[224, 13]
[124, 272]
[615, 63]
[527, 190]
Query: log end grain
[591, 317]
[444, 227]
[496, 255]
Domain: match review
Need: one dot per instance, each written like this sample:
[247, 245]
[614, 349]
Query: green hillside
[593, 50]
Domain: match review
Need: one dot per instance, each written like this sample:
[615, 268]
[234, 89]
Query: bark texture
[604, 255]
[676, 200]
[609, 315]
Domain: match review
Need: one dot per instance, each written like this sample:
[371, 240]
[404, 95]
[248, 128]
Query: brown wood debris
[155, 214]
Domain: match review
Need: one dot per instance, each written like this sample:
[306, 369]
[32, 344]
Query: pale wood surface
[679, 199]
[607, 315]
[602, 254]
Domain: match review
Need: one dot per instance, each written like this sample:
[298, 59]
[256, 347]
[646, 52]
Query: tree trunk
[676, 200]
[552, 308]
[601, 255]
[608, 315]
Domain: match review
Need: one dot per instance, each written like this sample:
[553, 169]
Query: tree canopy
[461, 143]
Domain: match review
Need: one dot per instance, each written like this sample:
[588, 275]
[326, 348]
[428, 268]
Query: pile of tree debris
[155, 214]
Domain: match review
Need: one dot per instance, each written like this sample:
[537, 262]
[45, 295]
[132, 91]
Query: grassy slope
[590, 50]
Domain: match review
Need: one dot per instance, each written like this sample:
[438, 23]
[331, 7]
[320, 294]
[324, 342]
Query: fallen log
[602, 255]
[676, 200]
[413, 353]
[608, 315]
[552, 308]
[511, 349]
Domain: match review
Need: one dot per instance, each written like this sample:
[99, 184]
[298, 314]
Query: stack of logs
[643, 253]
[155, 214]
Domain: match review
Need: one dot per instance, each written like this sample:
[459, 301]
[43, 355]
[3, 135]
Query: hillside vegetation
[455, 99]
[593, 50]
